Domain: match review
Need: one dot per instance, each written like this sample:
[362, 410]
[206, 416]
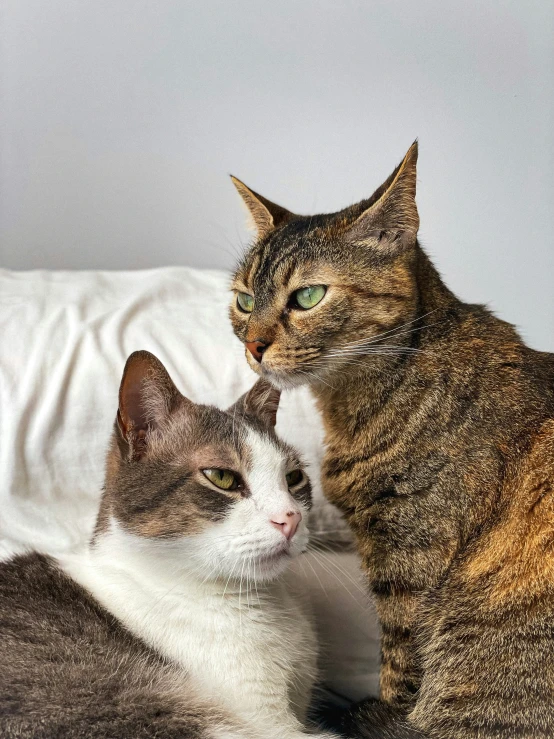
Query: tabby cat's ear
[392, 220]
[261, 401]
[265, 215]
[147, 397]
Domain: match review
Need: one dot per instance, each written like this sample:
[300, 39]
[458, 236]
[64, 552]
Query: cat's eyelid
[220, 468]
[293, 465]
[302, 286]
[305, 278]
[238, 478]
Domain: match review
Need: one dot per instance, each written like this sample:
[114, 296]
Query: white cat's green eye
[224, 479]
[294, 477]
[245, 302]
[308, 297]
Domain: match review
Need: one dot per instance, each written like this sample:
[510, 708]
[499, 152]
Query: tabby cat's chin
[285, 379]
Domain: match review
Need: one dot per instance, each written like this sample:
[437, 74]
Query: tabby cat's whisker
[307, 373]
[375, 350]
[352, 359]
[370, 341]
[401, 326]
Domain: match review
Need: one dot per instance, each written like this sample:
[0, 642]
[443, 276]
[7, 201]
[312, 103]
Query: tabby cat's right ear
[147, 397]
[392, 221]
[266, 216]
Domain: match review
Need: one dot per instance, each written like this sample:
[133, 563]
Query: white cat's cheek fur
[246, 545]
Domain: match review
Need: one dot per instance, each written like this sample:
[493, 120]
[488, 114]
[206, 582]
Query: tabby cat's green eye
[224, 479]
[245, 302]
[308, 297]
[294, 477]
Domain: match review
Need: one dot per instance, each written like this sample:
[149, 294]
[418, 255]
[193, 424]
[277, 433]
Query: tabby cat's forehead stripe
[251, 269]
[275, 252]
[266, 261]
[276, 257]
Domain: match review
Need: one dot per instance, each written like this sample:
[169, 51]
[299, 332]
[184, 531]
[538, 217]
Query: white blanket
[64, 340]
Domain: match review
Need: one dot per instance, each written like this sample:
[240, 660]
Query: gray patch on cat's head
[162, 441]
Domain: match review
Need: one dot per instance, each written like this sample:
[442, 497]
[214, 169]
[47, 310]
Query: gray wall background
[121, 120]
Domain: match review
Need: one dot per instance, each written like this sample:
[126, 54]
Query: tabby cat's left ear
[393, 219]
[266, 215]
[261, 402]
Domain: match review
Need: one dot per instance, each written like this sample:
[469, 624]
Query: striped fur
[439, 437]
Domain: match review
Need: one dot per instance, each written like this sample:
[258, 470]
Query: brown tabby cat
[439, 429]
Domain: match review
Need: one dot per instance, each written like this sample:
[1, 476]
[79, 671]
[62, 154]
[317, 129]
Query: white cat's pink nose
[287, 522]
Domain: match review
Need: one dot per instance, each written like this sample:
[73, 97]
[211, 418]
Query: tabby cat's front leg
[400, 673]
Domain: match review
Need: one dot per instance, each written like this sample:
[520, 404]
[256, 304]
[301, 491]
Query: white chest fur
[252, 650]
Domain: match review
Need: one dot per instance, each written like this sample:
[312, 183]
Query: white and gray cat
[178, 620]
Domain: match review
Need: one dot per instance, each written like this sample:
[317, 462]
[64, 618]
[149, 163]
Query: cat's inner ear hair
[265, 215]
[147, 397]
[392, 221]
[261, 402]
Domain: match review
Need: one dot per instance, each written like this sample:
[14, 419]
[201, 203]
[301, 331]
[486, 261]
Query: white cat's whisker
[231, 573]
[321, 548]
[306, 560]
[326, 566]
[256, 586]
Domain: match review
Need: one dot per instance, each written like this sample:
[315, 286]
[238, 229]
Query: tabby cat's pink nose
[257, 348]
[287, 522]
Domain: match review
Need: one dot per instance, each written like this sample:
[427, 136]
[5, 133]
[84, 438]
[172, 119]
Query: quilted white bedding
[64, 338]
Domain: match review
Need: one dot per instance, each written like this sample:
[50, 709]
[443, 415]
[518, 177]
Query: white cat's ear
[392, 221]
[261, 402]
[147, 397]
[265, 215]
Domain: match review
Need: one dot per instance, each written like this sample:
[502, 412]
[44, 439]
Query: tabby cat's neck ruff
[439, 436]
